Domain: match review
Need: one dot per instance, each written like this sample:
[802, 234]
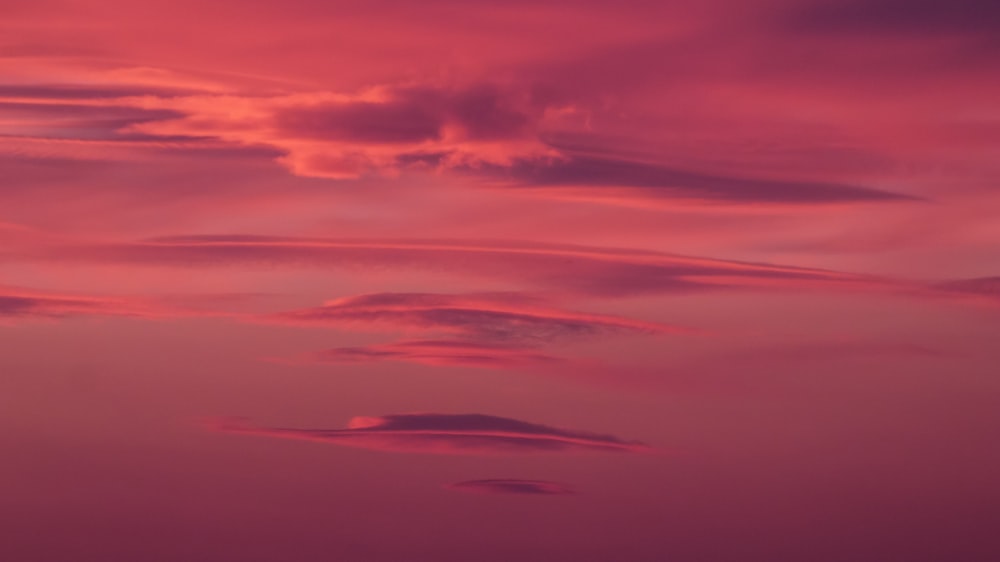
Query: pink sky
[441, 281]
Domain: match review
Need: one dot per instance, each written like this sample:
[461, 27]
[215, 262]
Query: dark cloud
[916, 17]
[83, 92]
[512, 486]
[490, 317]
[654, 181]
[414, 115]
[74, 118]
[15, 305]
[447, 434]
[22, 303]
[440, 352]
[988, 287]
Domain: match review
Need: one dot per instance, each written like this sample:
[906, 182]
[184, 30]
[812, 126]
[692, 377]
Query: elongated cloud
[488, 129]
[512, 486]
[440, 353]
[482, 129]
[986, 289]
[570, 269]
[448, 434]
[976, 19]
[629, 181]
[502, 317]
[19, 303]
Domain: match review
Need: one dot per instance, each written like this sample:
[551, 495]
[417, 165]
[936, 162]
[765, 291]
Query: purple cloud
[448, 434]
[21, 304]
[490, 317]
[644, 180]
[406, 115]
[441, 353]
[511, 486]
[585, 270]
[907, 17]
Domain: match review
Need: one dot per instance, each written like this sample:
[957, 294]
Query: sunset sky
[499, 281]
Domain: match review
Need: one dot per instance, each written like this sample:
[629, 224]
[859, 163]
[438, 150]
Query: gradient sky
[442, 281]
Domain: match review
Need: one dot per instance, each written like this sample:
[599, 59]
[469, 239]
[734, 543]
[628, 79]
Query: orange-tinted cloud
[487, 129]
[490, 317]
[511, 486]
[448, 434]
[380, 130]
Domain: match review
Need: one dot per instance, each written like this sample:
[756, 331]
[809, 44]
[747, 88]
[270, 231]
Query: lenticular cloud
[512, 486]
[448, 434]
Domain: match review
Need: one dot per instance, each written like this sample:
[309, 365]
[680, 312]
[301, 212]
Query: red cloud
[448, 434]
[480, 317]
[381, 129]
[20, 303]
[565, 268]
[441, 353]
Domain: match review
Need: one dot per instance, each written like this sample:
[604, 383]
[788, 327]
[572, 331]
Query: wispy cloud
[447, 434]
[982, 288]
[570, 269]
[512, 486]
[633, 182]
[495, 317]
[441, 353]
[20, 303]
[976, 19]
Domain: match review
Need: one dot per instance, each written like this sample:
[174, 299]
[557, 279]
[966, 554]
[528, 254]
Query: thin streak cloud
[447, 434]
[495, 317]
[512, 486]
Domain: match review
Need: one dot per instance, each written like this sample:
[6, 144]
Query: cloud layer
[512, 486]
[586, 270]
[441, 353]
[492, 317]
[448, 434]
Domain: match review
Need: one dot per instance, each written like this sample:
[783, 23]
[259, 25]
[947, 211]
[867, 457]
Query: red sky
[658, 280]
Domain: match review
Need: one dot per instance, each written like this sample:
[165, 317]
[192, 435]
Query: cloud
[378, 130]
[487, 130]
[416, 115]
[84, 92]
[628, 181]
[492, 317]
[46, 112]
[569, 269]
[981, 288]
[493, 130]
[440, 353]
[917, 18]
[19, 303]
[511, 486]
[25, 304]
[447, 434]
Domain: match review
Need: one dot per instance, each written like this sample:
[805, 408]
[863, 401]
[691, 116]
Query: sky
[440, 281]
